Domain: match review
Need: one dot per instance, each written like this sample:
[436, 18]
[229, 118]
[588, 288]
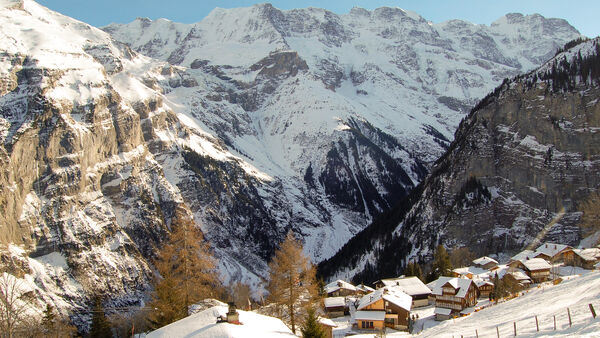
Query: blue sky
[582, 14]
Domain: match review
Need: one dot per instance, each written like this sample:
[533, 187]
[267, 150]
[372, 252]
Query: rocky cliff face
[300, 120]
[520, 168]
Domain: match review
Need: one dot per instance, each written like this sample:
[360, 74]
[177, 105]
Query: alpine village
[298, 173]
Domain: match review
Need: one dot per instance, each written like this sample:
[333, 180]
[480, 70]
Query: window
[370, 325]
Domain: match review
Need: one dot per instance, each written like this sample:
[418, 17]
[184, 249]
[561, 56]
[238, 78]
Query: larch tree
[187, 275]
[292, 279]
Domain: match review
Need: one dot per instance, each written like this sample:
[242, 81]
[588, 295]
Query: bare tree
[241, 295]
[590, 220]
[13, 304]
[292, 281]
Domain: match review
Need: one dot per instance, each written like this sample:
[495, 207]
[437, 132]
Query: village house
[516, 280]
[584, 258]
[537, 269]
[551, 252]
[327, 325]
[335, 306]
[485, 262]
[453, 295]
[384, 308]
[340, 288]
[485, 287]
[413, 287]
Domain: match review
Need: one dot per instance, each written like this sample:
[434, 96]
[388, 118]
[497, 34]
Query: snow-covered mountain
[345, 112]
[522, 168]
[256, 121]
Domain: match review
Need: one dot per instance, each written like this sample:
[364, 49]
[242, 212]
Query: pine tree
[100, 326]
[292, 279]
[441, 264]
[413, 269]
[311, 327]
[186, 268]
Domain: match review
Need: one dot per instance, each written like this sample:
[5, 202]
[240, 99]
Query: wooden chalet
[584, 258]
[327, 325]
[413, 287]
[395, 306]
[335, 306]
[485, 287]
[551, 252]
[340, 288]
[537, 269]
[485, 262]
[517, 280]
[454, 294]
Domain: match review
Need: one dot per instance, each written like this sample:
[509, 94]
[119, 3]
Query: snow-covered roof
[484, 260]
[523, 255]
[481, 282]
[520, 276]
[412, 286]
[591, 254]
[369, 315]
[442, 311]
[460, 284]
[536, 264]
[204, 324]
[471, 270]
[334, 302]
[338, 284]
[394, 296]
[550, 249]
[364, 288]
[327, 322]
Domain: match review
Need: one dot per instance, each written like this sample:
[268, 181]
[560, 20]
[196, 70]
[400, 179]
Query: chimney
[233, 316]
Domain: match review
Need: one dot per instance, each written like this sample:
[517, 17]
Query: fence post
[569, 313]
[593, 311]
[476, 333]
[554, 322]
[537, 325]
[515, 326]
[497, 331]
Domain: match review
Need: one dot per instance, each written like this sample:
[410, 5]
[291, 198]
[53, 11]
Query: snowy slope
[204, 324]
[544, 302]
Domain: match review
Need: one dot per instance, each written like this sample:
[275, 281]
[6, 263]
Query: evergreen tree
[186, 268]
[311, 327]
[413, 269]
[291, 278]
[100, 326]
[441, 264]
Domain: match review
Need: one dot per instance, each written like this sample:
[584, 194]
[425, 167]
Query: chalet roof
[460, 284]
[520, 276]
[523, 255]
[394, 296]
[327, 322]
[550, 249]
[338, 284]
[412, 286]
[591, 254]
[536, 264]
[364, 288]
[472, 270]
[334, 302]
[481, 282]
[369, 315]
[484, 260]
[442, 311]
